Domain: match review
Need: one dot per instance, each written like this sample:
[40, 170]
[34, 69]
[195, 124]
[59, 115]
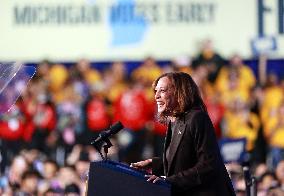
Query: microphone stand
[106, 147]
[253, 188]
[98, 146]
[106, 144]
[98, 143]
[250, 181]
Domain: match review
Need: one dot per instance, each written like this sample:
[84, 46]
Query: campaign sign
[263, 45]
[233, 150]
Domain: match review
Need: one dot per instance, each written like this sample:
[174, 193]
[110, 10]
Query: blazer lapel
[166, 145]
[178, 134]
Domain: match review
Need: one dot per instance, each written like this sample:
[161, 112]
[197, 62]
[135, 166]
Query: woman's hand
[153, 178]
[143, 165]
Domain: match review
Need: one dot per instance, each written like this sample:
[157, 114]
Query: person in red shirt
[133, 110]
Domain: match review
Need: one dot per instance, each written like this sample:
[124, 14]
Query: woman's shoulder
[196, 113]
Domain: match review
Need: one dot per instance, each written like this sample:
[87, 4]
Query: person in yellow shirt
[271, 98]
[147, 72]
[239, 122]
[58, 75]
[115, 80]
[274, 134]
[233, 90]
[246, 77]
[89, 73]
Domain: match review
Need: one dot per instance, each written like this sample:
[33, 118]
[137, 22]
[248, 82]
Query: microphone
[106, 134]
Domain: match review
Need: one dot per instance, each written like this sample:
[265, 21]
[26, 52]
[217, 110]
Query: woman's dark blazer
[194, 165]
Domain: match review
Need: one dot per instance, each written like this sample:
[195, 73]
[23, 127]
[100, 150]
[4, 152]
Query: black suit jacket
[194, 165]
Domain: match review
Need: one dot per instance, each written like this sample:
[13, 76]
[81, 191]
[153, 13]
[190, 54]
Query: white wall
[31, 30]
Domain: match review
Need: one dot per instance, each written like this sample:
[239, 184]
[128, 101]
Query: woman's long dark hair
[186, 93]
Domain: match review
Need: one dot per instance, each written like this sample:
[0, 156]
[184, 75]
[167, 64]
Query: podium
[109, 178]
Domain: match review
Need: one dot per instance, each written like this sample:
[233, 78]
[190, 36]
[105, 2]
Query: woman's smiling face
[164, 96]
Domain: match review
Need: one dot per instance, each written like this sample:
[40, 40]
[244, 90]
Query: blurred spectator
[53, 192]
[147, 72]
[72, 190]
[199, 75]
[266, 182]
[246, 79]
[18, 167]
[133, 110]
[274, 134]
[58, 74]
[260, 169]
[211, 98]
[272, 97]
[70, 118]
[66, 175]
[216, 112]
[12, 125]
[90, 74]
[239, 185]
[50, 169]
[82, 165]
[209, 57]
[43, 71]
[114, 81]
[232, 90]
[44, 121]
[239, 122]
[32, 157]
[82, 152]
[29, 183]
[97, 115]
[280, 173]
[12, 129]
[82, 76]
[275, 192]
[97, 111]
[40, 114]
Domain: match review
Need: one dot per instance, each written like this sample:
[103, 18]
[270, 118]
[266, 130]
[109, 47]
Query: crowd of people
[46, 136]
